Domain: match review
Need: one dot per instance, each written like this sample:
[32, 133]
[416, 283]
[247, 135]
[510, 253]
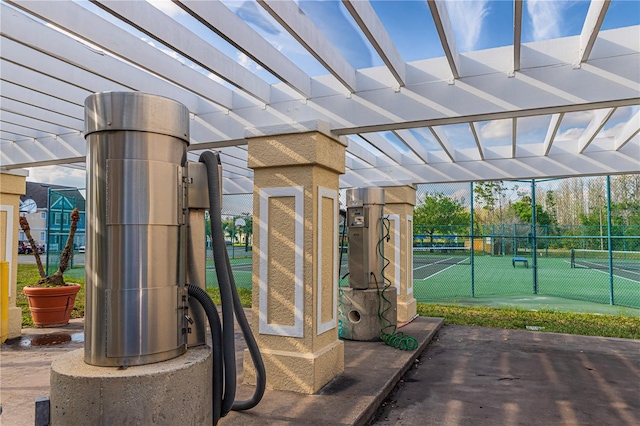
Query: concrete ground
[465, 376]
[482, 376]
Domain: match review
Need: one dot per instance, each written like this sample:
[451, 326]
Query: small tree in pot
[51, 299]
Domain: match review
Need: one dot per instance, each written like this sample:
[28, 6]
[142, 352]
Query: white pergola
[56, 53]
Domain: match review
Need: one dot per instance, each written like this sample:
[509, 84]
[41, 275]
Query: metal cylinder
[364, 212]
[136, 233]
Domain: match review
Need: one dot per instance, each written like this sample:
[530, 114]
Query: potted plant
[51, 300]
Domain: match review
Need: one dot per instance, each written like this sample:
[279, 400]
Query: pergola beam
[164, 29]
[219, 19]
[517, 34]
[294, 21]
[531, 167]
[366, 18]
[514, 137]
[31, 97]
[384, 146]
[552, 130]
[630, 129]
[476, 139]
[592, 23]
[444, 142]
[413, 143]
[444, 28]
[30, 128]
[597, 123]
[41, 114]
[79, 21]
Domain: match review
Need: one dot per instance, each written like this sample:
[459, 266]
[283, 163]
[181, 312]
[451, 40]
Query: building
[47, 209]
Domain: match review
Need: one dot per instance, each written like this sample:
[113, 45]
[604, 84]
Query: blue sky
[479, 24]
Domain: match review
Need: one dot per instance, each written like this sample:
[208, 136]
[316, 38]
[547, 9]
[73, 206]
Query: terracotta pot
[51, 306]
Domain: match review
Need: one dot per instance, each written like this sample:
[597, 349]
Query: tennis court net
[599, 259]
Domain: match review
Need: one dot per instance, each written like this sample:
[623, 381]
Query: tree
[57, 279]
[437, 211]
[489, 195]
[522, 208]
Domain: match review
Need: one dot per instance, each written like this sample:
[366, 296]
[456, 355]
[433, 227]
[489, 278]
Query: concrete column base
[298, 372]
[359, 313]
[172, 392]
[406, 310]
[15, 322]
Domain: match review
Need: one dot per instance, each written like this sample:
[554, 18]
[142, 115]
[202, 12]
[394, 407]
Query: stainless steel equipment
[136, 234]
[364, 211]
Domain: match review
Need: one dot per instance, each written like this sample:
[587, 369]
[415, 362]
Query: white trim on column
[331, 324]
[296, 330]
[395, 218]
[409, 254]
[9, 247]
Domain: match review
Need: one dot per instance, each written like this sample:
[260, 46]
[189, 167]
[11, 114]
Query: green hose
[388, 331]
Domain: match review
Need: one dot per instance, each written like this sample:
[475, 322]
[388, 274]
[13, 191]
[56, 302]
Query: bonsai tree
[57, 279]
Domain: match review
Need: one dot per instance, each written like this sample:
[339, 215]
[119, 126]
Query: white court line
[607, 272]
[433, 275]
[433, 263]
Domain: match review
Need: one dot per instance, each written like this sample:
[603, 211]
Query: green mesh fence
[237, 226]
[452, 263]
[511, 257]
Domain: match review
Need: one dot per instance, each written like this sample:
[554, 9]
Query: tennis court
[437, 279]
[444, 275]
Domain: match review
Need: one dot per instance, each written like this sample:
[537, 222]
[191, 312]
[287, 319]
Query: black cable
[343, 213]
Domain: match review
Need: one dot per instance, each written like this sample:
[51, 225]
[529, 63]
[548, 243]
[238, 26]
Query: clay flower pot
[51, 306]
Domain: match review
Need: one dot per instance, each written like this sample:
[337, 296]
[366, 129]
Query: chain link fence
[585, 244]
[477, 240]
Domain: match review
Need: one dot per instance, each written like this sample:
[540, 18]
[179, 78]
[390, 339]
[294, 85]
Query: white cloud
[58, 175]
[247, 62]
[467, 18]
[579, 118]
[496, 129]
[546, 18]
[612, 131]
[570, 134]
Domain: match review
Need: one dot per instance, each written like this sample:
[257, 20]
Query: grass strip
[542, 320]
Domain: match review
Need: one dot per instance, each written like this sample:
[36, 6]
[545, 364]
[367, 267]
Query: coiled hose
[223, 335]
[388, 332]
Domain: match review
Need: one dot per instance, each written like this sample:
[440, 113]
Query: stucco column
[295, 259]
[399, 204]
[12, 186]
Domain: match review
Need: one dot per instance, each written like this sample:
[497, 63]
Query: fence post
[48, 230]
[609, 240]
[471, 232]
[534, 243]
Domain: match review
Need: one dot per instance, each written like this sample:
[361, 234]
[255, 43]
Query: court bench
[520, 259]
